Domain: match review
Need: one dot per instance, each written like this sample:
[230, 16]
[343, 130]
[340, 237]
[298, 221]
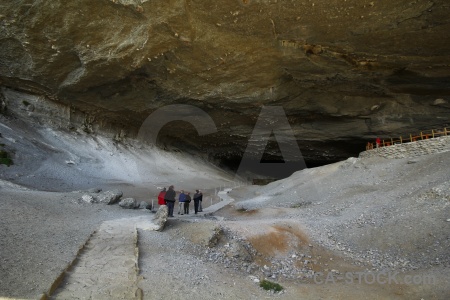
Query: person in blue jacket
[181, 200]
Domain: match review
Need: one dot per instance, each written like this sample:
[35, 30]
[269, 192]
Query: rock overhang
[343, 73]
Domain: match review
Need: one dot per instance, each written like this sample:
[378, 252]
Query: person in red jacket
[161, 195]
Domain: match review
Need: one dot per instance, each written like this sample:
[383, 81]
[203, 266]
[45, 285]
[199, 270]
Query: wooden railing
[424, 135]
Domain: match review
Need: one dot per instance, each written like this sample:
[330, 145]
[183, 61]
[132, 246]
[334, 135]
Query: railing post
[422, 136]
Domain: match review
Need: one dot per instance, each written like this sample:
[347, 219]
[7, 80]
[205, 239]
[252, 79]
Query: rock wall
[344, 71]
[410, 150]
[41, 110]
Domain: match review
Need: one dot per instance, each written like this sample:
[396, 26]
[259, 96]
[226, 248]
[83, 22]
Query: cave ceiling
[344, 71]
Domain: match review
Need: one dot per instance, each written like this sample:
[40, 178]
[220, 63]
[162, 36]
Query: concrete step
[107, 267]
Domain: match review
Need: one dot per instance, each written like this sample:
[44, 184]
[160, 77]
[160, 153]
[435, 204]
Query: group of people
[168, 197]
[377, 143]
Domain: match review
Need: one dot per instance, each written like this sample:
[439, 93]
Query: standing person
[200, 207]
[181, 199]
[378, 142]
[170, 199]
[161, 195]
[198, 197]
[186, 203]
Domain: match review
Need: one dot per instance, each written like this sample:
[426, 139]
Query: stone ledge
[410, 150]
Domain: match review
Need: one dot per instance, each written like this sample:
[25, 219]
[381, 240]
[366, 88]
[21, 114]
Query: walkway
[225, 200]
[107, 266]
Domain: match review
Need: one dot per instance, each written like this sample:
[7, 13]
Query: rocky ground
[371, 228]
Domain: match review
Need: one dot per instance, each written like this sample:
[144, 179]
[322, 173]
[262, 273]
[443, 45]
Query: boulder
[235, 249]
[128, 203]
[88, 199]
[160, 218]
[110, 197]
[143, 205]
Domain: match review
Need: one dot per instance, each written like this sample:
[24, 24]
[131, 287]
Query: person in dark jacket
[186, 203]
[198, 197]
[161, 195]
[170, 199]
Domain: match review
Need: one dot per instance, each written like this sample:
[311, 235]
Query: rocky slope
[344, 71]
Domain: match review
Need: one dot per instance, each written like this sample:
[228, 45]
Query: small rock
[440, 101]
[110, 197]
[143, 205]
[127, 203]
[88, 199]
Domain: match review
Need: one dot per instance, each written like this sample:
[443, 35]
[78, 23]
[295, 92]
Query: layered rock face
[344, 71]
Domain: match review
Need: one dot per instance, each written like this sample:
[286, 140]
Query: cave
[343, 73]
[261, 108]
